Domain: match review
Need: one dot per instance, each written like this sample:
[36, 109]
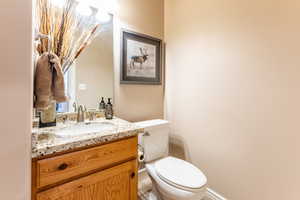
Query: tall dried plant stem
[69, 32]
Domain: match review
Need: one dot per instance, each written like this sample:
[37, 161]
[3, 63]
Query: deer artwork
[139, 59]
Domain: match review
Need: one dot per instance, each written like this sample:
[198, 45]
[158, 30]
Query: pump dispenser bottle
[102, 105]
[109, 113]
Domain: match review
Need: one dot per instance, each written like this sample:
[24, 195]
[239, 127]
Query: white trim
[212, 195]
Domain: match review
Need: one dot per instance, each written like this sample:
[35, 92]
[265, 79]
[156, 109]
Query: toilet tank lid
[151, 123]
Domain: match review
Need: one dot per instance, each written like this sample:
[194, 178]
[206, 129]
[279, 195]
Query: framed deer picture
[140, 59]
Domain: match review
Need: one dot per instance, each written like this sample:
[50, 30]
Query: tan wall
[94, 68]
[138, 102]
[232, 93]
[15, 99]
[16, 86]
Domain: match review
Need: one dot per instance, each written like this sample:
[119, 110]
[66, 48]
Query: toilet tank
[155, 139]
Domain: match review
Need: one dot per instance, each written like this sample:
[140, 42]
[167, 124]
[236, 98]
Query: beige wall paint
[16, 99]
[132, 102]
[232, 93]
[94, 68]
[138, 102]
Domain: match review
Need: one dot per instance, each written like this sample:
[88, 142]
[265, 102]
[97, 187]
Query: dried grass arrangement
[68, 31]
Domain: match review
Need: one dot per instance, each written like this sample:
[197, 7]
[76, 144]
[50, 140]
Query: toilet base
[149, 195]
[153, 196]
[154, 193]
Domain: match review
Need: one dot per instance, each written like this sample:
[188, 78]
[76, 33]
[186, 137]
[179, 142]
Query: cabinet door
[116, 183]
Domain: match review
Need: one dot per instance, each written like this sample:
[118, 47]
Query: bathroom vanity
[83, 156]
[99, 164]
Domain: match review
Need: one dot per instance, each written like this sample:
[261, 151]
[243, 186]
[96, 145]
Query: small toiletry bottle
[109, 113]
[102, 105]
[48, 116]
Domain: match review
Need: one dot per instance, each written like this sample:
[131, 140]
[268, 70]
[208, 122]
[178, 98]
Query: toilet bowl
[191, 185]
[172, 178]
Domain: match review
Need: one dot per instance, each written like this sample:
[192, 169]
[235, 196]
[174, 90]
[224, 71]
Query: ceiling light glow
[84, 9]
[103, 17]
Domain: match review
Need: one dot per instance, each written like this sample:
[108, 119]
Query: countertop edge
[85, 143]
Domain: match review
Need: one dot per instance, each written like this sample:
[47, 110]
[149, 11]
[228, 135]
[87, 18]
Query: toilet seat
[180, 173]
[170, 191]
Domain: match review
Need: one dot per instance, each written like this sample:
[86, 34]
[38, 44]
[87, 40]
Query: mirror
[92, 75]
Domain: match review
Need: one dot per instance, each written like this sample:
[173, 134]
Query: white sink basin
[85, 128]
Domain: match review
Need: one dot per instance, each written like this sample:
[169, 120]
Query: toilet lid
[180, 173]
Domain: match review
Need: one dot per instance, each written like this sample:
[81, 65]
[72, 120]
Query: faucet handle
[82, 108]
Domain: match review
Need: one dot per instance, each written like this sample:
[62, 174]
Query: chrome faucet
[81, 113]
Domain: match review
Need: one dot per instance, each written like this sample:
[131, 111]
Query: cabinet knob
[63, 166]
[132, 175]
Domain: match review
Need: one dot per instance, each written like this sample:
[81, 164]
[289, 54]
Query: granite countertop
[46, 141]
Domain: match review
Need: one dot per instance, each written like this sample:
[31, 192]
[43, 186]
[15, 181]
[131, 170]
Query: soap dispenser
[102, 105]
[109, 113]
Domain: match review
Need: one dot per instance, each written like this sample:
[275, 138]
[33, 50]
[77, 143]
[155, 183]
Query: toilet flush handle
[146, 133]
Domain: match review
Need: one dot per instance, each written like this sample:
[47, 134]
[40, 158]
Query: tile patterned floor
[144, 186]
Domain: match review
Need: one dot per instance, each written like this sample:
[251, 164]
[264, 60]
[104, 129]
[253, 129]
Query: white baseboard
[212, 195]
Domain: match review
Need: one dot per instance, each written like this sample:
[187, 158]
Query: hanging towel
[58, 84]
[49, 81]
[43, 82]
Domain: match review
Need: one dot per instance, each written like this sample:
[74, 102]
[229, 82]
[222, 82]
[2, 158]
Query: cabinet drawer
[60, 168]
[116, 183]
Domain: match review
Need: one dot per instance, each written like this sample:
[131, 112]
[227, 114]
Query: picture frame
[141, 59]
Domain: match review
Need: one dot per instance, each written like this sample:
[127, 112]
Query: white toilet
[172, 178]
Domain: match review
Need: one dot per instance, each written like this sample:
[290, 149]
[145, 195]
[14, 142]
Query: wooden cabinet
[89, 175]
[116, 183]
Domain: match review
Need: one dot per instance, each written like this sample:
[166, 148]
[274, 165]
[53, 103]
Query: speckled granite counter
[46, 141]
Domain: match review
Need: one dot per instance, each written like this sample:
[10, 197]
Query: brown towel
[58, 84]
[42, 82]
[49, 81]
